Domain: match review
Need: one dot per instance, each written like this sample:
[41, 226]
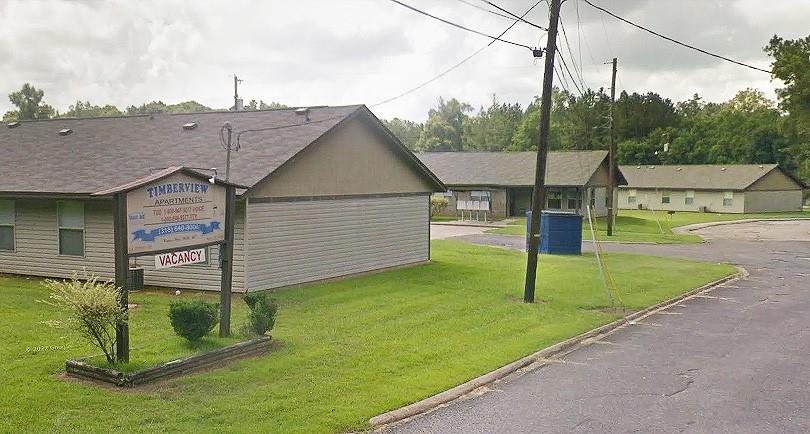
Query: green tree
[492, 129]
[88, 110]
[407, 132]
[29, 105]
[156, 107]
[444, 128]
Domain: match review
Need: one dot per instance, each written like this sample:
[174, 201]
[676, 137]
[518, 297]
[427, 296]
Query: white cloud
[364, 51]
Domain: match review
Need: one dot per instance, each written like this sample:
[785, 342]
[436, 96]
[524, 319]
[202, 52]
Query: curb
[698, 226]
[559, 349]
[471, 225]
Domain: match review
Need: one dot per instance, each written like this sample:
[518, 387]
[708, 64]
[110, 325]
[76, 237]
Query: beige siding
[775, 180]
[303, 241]
[771, 201]
[711, 200]
[37, 252]
[355, 159]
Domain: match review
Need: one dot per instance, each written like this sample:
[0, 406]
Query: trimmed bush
[193, 319]
[262, 316]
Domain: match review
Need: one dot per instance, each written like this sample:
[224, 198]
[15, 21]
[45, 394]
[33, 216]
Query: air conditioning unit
[703, 208]
[641, 206]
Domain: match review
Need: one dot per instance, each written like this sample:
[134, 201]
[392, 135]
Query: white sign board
[176, 212]
[174, 259]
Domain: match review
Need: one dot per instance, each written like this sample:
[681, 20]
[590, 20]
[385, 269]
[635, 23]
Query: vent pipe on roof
[65, 131]
[303, 111]
[190, 126]
[15, 124]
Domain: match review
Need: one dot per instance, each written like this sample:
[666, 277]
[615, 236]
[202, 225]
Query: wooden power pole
[611, 189]
[539, 192]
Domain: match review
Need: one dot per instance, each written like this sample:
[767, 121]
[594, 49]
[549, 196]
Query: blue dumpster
[560, 232]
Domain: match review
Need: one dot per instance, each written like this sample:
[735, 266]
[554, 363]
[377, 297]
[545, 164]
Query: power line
[494, 38]
[463, 61]
[571, 55]
[468, 3]
[515, 16]
[683, 44]
[407, 92]
[565, 65]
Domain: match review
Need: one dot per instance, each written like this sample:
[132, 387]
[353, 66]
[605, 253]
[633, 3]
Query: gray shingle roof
[696, 176]
[564, 168]
[105, 152]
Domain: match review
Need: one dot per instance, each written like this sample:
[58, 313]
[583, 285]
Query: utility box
[560, 232]
[135, 280]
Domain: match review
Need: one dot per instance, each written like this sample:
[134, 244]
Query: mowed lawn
[643, 226]
[349, 349]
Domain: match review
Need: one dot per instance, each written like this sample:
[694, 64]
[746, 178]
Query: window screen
[631, 195]
[664, 197]
[71, 228]
[728, 198]
[7, 221]
[690, 197]
[554, 200]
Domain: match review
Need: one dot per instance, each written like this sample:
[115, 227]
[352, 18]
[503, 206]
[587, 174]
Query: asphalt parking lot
[733, 361]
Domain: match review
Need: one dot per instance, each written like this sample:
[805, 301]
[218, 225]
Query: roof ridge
[142, 115]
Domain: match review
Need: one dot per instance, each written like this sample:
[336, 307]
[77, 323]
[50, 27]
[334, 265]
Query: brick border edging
[80, 369]
[558, 349]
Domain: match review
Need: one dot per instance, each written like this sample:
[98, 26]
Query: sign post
[176, 209]
[121, 274]
[227, 265]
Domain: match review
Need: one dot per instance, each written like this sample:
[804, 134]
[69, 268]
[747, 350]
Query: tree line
[650, 129]
[31, 106]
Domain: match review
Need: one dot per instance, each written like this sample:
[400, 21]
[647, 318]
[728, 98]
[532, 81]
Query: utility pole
[236, 82]
[539, 192]
[611, 189]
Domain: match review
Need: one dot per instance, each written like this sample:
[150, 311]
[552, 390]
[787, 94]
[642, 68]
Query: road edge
[697, 226]
[536, 359]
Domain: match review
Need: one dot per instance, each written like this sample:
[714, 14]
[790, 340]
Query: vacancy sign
[174, 259]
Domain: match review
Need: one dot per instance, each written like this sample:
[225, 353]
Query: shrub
[91, 308]
[437, 205]
[262, 316]
[193, 319]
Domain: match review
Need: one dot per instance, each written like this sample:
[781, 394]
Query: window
[71, 228]
[664, 196]
[572, 200]
[631, 195]
[690, 197]
[480, 195]
[7, 224]
[554, 200]
[728, 198]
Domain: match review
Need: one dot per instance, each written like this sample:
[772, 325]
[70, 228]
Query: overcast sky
[333, 52]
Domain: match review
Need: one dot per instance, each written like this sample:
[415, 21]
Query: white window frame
[12, 225]
[666, 194]
[554, 195]
[689, 198]
[59, 229]
[631, 195]
[568, 198]
[481, 195]
[728, 198]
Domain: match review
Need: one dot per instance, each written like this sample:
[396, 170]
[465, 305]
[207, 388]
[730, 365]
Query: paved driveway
[737, 361]
[441, 232]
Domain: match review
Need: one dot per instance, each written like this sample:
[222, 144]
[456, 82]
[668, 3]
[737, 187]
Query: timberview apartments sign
[174, 213]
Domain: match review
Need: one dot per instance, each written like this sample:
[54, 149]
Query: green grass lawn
[349, 349]
[641, 226]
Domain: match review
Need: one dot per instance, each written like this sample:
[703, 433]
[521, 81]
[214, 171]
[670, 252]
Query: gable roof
[514, 169]
[699, 176]
[101, 153]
